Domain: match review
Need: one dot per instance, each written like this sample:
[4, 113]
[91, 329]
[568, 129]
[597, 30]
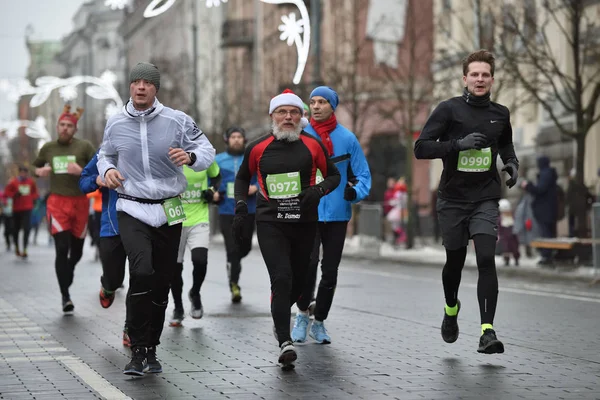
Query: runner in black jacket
[468, 133]
[285, 162]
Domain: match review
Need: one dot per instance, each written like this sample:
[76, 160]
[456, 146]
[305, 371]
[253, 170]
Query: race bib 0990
[475, 160]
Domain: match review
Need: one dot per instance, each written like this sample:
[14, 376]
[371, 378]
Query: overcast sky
[50, 19]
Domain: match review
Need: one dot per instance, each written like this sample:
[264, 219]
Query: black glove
[349, 193]
[208, 194]
[473, 140]
[310, 198]
[239, 221]
[513, 171]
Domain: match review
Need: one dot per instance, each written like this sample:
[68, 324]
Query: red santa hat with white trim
[288, 98]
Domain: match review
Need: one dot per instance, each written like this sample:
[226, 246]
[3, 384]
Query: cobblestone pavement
[384, 325]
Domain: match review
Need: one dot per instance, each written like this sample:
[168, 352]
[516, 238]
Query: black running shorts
[459, 222]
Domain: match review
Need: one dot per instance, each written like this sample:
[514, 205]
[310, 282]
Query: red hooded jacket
[23, 193]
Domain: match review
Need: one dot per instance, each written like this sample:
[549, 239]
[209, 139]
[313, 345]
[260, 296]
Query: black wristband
[192, 157]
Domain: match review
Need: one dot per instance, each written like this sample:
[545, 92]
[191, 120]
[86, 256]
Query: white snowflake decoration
[215, 3]
[68, 93]
[291, 30]
[116, 4]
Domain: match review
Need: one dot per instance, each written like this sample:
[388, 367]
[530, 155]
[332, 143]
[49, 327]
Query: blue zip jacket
[229, 165]
[350, 160]
[87, 184]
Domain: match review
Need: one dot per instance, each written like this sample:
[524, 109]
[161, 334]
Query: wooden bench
[574, 250]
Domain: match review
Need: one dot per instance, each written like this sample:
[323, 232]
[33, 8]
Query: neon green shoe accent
[451, 311]
[486, 326]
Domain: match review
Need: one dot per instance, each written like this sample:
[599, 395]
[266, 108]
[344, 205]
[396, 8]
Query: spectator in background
[545, 203]
[508, 242]
[6, 217]
[525, 226]
[398, 213]
[23, 191]
[388, 196]
[578, 197]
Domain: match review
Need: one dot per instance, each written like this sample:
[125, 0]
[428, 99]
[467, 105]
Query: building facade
[184, 43]
[93, 47]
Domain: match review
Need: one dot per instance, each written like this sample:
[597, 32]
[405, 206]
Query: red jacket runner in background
[23, 192]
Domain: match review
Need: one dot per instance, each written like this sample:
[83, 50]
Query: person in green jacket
[195, 235]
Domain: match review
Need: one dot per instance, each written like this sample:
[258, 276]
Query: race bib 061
[174, 211]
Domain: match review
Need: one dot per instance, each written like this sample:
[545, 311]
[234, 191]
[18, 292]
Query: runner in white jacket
[144, 149]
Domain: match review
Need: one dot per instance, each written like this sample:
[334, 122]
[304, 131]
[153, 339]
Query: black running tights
[487, 284]
[69, 250]
[200, 263]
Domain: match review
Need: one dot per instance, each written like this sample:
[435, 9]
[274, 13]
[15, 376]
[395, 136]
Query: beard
[236, 150]
[62, 140]
[288, 135]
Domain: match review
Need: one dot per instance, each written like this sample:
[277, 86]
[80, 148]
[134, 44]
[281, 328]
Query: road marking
[35, 354]
[33, 350]
[94, 380]
[532, 292]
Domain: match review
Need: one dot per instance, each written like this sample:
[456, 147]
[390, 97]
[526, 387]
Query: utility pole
[195, 112]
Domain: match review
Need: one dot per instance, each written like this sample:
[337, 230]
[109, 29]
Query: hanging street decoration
[34, 129]
[294, 32]
[98, 88]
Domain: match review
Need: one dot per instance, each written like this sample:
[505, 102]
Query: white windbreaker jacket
[138, 147]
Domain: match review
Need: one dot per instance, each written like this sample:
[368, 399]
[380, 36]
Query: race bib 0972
[283, 186]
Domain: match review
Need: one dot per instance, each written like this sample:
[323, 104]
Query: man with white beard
[286, 162]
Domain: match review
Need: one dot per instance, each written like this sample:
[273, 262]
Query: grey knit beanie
[146, 71]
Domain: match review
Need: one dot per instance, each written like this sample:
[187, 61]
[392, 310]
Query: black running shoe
[197, 310]
[489, 343]
[154, 366]
[177, 317]
[67, 304]
[287, 355]
[450, 326]
[137, 365]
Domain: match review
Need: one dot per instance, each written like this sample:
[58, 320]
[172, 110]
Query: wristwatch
[192, 157]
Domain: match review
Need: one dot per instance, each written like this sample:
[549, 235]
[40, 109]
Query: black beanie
[231, 130]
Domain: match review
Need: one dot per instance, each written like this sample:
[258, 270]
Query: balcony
[238, 33]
